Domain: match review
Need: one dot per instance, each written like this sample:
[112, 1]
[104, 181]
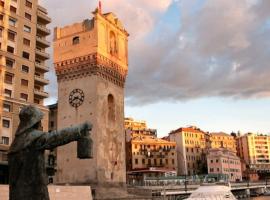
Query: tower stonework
[91, 63]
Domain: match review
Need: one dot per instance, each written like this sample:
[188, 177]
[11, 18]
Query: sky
[191, 62]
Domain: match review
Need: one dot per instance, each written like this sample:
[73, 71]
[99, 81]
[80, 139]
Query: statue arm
[58, 138]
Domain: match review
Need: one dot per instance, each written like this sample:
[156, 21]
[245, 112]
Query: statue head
[29, 117]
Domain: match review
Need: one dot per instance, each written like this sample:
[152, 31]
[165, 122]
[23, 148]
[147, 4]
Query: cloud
[220, 50]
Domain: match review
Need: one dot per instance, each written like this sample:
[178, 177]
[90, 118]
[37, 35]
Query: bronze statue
[28, 179]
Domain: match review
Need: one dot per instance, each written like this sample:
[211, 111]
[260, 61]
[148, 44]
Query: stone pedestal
[58, 192]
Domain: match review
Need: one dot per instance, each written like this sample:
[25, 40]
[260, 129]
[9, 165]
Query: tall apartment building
[222, 140]
[22, 66]
[191, 147]
[147, 155]
[255, 151]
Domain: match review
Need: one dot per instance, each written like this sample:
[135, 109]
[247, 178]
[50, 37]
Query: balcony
[41, 67]
[42, 30]
[42, 16]
[41, 81]
[41, 94]
[3, 156]
[42, 42]
[40, 54]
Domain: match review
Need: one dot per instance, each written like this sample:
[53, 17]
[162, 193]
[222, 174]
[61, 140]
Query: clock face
[76, 98]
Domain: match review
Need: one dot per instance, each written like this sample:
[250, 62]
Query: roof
[151, 140]
[52, 106]
[191, 129]
[220, 134]
[151, 169]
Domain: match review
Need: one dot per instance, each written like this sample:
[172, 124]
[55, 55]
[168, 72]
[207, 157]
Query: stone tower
[91, 63]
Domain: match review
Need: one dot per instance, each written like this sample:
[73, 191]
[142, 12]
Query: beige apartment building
[224, 161]
[147, 155]
[222, 140]
[191, 147]
[22, 65]
[254, 149]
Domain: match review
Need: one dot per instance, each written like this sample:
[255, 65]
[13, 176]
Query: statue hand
[86, 127]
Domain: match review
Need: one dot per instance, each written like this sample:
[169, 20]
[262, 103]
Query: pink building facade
[224, 161]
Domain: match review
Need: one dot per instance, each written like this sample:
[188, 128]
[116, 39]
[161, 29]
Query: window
[10, 62]
[10, 49]
[113, 45]
[1, 31]
[7, 107]
[52, 124]
[76, 40]
[13, 9]
[25, 55]
[2, 3]
[26, 42]
[5, 140]
[143, 161]
[6, 123]
[136, 161]
[111, 108]
[173, 161]
[36, 101]
[24, 96]
[1, 17]
[25, 69]
[11, 36]
[8, 93]
[28, 4]
[12, 22]
[8, 78]
[27, 16]
[24, 82]
[27, 29]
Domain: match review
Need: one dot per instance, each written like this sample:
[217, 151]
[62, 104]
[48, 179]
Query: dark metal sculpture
[28, 179]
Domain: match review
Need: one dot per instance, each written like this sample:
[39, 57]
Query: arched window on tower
[113, 44]
[111, 108]
[76, 40]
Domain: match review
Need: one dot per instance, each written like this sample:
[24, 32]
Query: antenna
[100, 6]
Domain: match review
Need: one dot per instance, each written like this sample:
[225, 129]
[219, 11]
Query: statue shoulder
[25, 140]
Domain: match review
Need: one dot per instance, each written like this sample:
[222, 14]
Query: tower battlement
[92, 47]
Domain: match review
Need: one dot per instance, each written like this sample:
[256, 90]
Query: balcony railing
[41, 93]
[42, 54]
[42, 67]
[42, 42]
[41, 80]
[3, 156]
[43, 18]
[41, 29]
